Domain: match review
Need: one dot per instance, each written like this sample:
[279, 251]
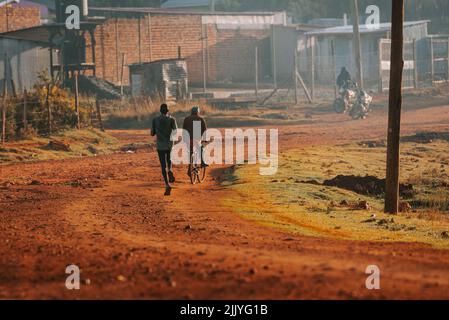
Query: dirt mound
[373, 144]
[427, 137]
[369, 185]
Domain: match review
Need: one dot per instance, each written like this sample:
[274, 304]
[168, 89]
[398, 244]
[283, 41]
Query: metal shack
[164, 79]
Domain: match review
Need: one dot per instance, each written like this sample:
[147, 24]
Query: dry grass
[138, 114]
[82, 143]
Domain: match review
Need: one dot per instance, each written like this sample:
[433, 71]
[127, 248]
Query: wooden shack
[164, 79]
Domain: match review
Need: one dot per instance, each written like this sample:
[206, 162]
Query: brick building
[16, 17]
[217, 45]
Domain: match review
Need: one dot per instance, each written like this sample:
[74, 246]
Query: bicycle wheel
[192, 174]
[194, 170]
[202, 174]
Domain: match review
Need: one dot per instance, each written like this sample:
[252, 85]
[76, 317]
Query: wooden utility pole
[77, 102]
[357, 44]
[394, 109]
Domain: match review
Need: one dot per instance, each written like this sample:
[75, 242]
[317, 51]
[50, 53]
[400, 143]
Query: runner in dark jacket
[163, 127]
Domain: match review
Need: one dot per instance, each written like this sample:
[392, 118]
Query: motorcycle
[354, 101]
[348, 97]
[362, 106]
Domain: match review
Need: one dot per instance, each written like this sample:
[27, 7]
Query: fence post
[273, 48]
[5, 94]
[47, 104]
[381, 89]
[77, 102]
[25, 106]
[4, 117]
[334, 69]
[122, 72]
[203, 59]
[415, 64]
[295, 71]
[100, 120]
[91, 112]
[447, 78]
[312, 66]
[432, 62]
[256, 70]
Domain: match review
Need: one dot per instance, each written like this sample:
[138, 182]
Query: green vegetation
[46, 95]
[296, 200]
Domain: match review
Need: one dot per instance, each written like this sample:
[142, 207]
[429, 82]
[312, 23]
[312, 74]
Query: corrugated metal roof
[42, 32]
[383, 27]
[147, 10]
[5, 2]
[50, 4]
[185, 3]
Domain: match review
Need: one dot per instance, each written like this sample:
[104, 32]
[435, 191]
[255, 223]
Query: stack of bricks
[16, 18]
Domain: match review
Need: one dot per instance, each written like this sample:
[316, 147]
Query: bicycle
[197, 172]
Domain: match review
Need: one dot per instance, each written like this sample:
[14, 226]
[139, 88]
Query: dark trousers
[165, 160]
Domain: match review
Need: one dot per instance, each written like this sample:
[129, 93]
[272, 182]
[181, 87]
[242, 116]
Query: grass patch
[139, 115]
[89, 142]
[291, 202]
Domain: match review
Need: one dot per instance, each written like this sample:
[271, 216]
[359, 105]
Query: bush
[62, 105]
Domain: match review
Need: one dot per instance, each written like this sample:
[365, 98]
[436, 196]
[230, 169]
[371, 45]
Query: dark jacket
[343, 77]
[189, 123]
[163, 128]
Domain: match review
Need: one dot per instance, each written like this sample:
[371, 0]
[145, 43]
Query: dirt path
[108, 216]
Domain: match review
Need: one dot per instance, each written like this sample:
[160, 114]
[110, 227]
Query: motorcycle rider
[343, 78]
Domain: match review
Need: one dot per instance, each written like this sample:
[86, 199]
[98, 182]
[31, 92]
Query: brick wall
[229, 54]
[18, 18]
[233, 53]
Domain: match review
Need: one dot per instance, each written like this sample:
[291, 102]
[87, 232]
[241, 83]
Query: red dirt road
[108, 215]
